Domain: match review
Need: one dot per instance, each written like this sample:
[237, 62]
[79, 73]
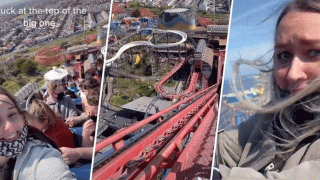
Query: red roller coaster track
[191, 88]
[167, 145]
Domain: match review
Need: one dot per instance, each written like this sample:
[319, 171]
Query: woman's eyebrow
[301, 41]
[309, 41]
[282, 45]
[12, 107]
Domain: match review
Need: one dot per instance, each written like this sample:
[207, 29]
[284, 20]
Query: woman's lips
[294, 91]
[11, 138]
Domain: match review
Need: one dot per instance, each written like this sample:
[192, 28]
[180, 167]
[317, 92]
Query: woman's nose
[8, 127]
[296, 70]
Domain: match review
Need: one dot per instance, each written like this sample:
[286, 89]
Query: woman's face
[297, 50]
[93, 110]
[39, 125]
[86, 92]
[11, 122]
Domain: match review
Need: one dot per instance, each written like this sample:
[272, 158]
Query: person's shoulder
[245, 130]
[311, 148]
[255, 120]
[67, 98]
[37, 147]
[40, 160]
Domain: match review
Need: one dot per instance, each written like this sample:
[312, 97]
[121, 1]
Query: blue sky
[251, 35]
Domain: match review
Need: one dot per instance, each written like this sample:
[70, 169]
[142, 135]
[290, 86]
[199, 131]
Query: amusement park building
[91, 21]
[178, 19]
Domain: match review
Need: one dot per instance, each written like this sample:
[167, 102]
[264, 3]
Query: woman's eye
[286, 56]
[314, 53]
[11, 115]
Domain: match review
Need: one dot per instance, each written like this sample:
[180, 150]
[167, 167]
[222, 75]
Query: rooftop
[175, 10]
[141, 104]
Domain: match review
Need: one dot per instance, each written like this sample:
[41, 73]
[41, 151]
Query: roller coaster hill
[180, 145]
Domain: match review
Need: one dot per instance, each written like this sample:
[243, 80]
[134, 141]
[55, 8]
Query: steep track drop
[183, 141]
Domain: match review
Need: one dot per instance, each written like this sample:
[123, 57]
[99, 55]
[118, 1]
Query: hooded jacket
[65, 107]
[40, 160]
[247, 153]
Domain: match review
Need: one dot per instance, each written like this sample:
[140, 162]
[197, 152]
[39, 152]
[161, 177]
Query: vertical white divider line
[220, 100]
[101, 87]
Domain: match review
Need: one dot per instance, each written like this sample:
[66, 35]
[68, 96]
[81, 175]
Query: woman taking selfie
[282, 140]
[25, 152]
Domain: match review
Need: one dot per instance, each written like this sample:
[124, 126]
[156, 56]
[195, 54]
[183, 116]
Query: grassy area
[129, 89]
[170, 83]
[157, 11]
[24, 70]
[165, 68]
[220, 18]
[44, 68]
[11, 86]
[138, 38]
[23, 51]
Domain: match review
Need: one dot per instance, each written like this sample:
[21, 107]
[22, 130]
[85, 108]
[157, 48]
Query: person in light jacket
[282, 140]
[59, 103]
[25, 152]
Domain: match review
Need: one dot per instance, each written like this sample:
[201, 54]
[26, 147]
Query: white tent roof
[55, 74]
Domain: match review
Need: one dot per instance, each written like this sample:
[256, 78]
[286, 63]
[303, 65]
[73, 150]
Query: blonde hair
[41, 111]
[52, 86]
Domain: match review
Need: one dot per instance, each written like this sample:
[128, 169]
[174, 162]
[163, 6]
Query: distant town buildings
[204, 5]
[91, 21]
[27, 32]
[104, 15]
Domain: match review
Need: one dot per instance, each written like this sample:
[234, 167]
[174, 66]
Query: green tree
[148, 70]
[15, 72]
[136, 13]
[134, 5]
[19, 62]
[17, 32]
[2, 80]
[28, 67]
[64, 45]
